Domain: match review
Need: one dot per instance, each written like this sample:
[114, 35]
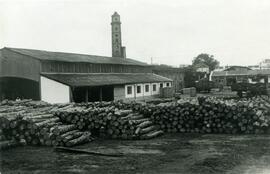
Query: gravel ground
[171, 153]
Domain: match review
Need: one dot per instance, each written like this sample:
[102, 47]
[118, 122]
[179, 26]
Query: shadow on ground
[173, 153]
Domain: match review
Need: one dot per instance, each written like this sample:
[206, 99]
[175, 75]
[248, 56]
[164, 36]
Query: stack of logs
[39, 123]
[110, 122]
[211, 116]
[30, 122]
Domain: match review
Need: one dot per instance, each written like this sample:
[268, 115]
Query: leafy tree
[207, 60]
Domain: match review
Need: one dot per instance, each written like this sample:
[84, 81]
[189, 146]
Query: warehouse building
[239, 74]
[66, 77]
[176, 74]
[58, 77]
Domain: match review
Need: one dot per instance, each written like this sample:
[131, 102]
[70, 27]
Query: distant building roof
[97, 79]
[252, 66]
[72, 57]
[166, 68]
[201, 65]
[237, 68]
[241, 73]
[266, 61]
[183, 65]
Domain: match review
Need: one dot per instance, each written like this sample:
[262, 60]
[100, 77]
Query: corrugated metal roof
[72, 57]
[241, 73]
[96, 79]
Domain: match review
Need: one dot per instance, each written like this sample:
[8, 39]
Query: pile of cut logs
[211, 115]
[40, 123]
[110, 122]
[34, 123]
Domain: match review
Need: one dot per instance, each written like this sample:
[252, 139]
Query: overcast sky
[236, 32]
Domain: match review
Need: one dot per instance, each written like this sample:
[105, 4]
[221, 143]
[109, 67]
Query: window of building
[167, 84]
[116, 28]
[129, 90]
[146, 88]
[154, 87]
[161, 85]
[138, 89]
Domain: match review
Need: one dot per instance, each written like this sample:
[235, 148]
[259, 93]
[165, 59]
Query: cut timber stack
[211, 116]
[86, 118]
[109, 121]
[166, 92]
[2, 135]
[189, 91]
[39, 123]
[33, 123]
[71, 124]
[143, 127]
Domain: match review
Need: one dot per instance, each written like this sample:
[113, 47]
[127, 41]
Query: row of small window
[138, 88]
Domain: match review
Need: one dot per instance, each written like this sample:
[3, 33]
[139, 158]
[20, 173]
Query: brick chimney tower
[117, 49]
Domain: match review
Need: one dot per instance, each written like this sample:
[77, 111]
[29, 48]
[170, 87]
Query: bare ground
[173, 153]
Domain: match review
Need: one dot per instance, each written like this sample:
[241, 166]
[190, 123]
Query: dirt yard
[175, 153]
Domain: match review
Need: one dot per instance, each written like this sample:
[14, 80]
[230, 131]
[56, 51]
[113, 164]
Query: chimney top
[115, 14]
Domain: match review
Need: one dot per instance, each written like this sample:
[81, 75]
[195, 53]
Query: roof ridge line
[10, 49]
[109, 79]
[130, 60]
[162, 76]
[94, 73]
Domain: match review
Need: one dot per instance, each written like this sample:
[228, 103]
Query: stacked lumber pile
[109, 121]
[2, 135]
[39, 123]
[264, 100]
[68, 135]
[140, 127]
[25, 103]
[189, 91]
[34, 123]
[86, 117]
[12, 124]
[210, 115]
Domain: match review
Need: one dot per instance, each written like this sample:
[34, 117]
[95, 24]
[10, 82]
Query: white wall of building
[265, 64]
[165, 84]
[260, 81]
[147, 93]
[143, 92]
[132, 90]
[152, 89]
[168, 84]
[136, 92]
[203, 69]
[54, 92]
